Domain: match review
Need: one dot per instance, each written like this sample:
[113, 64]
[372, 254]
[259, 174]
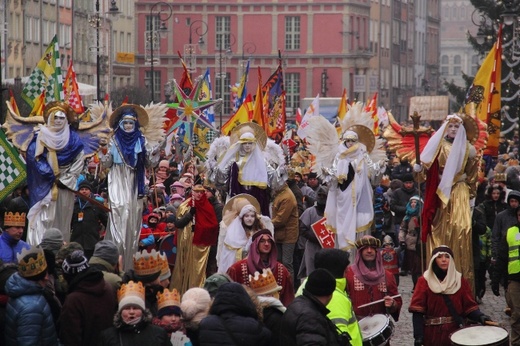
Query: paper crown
[168, 298]
[130, 290]
[14, 219]
[165, 267]
[31, 266]
[265, 283]
[500, 177]
[146, 263]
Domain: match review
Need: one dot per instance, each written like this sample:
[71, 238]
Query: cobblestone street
[403, 334]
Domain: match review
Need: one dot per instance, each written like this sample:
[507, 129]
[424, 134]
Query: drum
[376, 330]
[168, 246]
[480, 336]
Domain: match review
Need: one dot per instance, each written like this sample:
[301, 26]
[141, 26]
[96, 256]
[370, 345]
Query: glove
[483, 318]
[418, 342]
[417, 168]
[495, 288]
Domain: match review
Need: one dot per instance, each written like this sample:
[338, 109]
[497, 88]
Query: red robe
[432, 305]
[239, 273]
[360, 294]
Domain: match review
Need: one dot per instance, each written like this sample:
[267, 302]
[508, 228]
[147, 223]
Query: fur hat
[368, 240]
[195, 304]
[107, 250]
[75, 263]
[320, 283]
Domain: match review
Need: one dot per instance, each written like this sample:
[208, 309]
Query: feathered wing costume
[127, 155]
[54, 157]
[349, 210]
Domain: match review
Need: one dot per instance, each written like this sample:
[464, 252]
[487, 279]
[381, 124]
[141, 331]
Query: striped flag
[46, 76]
[70, 86]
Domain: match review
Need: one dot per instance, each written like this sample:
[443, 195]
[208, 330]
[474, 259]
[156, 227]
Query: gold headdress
[256, 130]
[265, 283]
[142, 115]
[168, 298]
[28, 266]
[14, 219]
[146, 263]
[131, 293]
[55, 106]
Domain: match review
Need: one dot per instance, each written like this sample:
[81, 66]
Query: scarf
[411, 212]
[254, 261]
[451, 282]
[366, 275]
[131, 147]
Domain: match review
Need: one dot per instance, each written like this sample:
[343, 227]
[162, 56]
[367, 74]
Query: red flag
[13, 103]
[258, 112]
[186, 84]
[71, 90]
[125, 101]
[298, 116]
[372, 107]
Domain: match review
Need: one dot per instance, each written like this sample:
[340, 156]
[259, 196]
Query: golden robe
[451, 224]
[191, 261]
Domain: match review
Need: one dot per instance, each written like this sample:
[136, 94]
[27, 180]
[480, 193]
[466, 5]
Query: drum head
[480, 336]
[373, 325]
[168, 247]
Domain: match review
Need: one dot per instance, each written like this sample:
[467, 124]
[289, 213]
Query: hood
[90, 282]
[513, 194]
[16, 286]
[232, 298]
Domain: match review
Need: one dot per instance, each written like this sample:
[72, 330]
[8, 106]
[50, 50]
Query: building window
[474, 65]
[222, 33]
[292, 33]
[156, 83]
[222, 91]
[153, 23]
[292, 90]
[457, 67]
[445, 69]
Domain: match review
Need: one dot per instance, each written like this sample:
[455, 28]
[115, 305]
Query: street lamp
[224, 53]
[190, 50]
[154, 35]
[95, 22]
[249, 48]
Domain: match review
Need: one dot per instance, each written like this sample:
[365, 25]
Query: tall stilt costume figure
[55, 145]
[247, 162]
[348, 167]
[137, 133]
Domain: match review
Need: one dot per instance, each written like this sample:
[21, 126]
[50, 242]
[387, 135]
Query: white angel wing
[154, 131]
[268, 224]
[96, 131]
[273, 153]
[356, 115]
[323, 143]
[218, 147]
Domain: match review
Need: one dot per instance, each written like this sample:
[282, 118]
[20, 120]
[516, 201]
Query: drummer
[441, 300]
[368, 281]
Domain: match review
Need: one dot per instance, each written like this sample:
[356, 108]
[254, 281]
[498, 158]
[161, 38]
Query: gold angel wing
[20, 130]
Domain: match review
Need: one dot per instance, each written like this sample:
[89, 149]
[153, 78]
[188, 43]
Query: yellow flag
[243, 115]
[485, 93]
[342, 108]
[39, 104]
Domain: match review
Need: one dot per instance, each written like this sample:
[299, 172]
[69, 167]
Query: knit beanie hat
[85, 184]
[52, 240]
[320, 283]
[216, 280]
[195, 304]
[334, 260]
[131, 293]
[107, 250]
[170, 219]
[67, 249]
[75, 263]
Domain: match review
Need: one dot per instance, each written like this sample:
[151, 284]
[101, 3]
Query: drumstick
[492, 323]
[377, 301]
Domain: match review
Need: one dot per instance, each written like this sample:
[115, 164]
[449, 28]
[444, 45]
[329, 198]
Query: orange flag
[258, 112]
[372, 107]
[71, 90]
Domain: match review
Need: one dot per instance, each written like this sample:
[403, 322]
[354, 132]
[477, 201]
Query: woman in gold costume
[451, 164]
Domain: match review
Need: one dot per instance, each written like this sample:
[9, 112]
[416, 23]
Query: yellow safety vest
[513, 243]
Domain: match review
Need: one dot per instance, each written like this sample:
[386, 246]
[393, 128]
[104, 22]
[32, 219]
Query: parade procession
[126, 220]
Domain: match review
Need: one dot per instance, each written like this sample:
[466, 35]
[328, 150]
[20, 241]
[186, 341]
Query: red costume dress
[432, 305]
[361, 293]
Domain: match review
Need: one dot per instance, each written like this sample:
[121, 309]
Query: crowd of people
[162, 249]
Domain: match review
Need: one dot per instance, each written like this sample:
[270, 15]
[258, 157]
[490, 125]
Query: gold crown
[146, 263]
[14, 219]
[165, 267]
[385, 181]
[31, 266]
[500, 177]
[135, 289]
[264, 283]
[168, 298]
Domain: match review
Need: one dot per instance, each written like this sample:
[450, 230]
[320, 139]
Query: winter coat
[143, 333]
[9, 248]
[28, 315]
[233, 317]
[88, 309]
[85, 229]
[306, 323]
[285, 217]
[400, 199]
